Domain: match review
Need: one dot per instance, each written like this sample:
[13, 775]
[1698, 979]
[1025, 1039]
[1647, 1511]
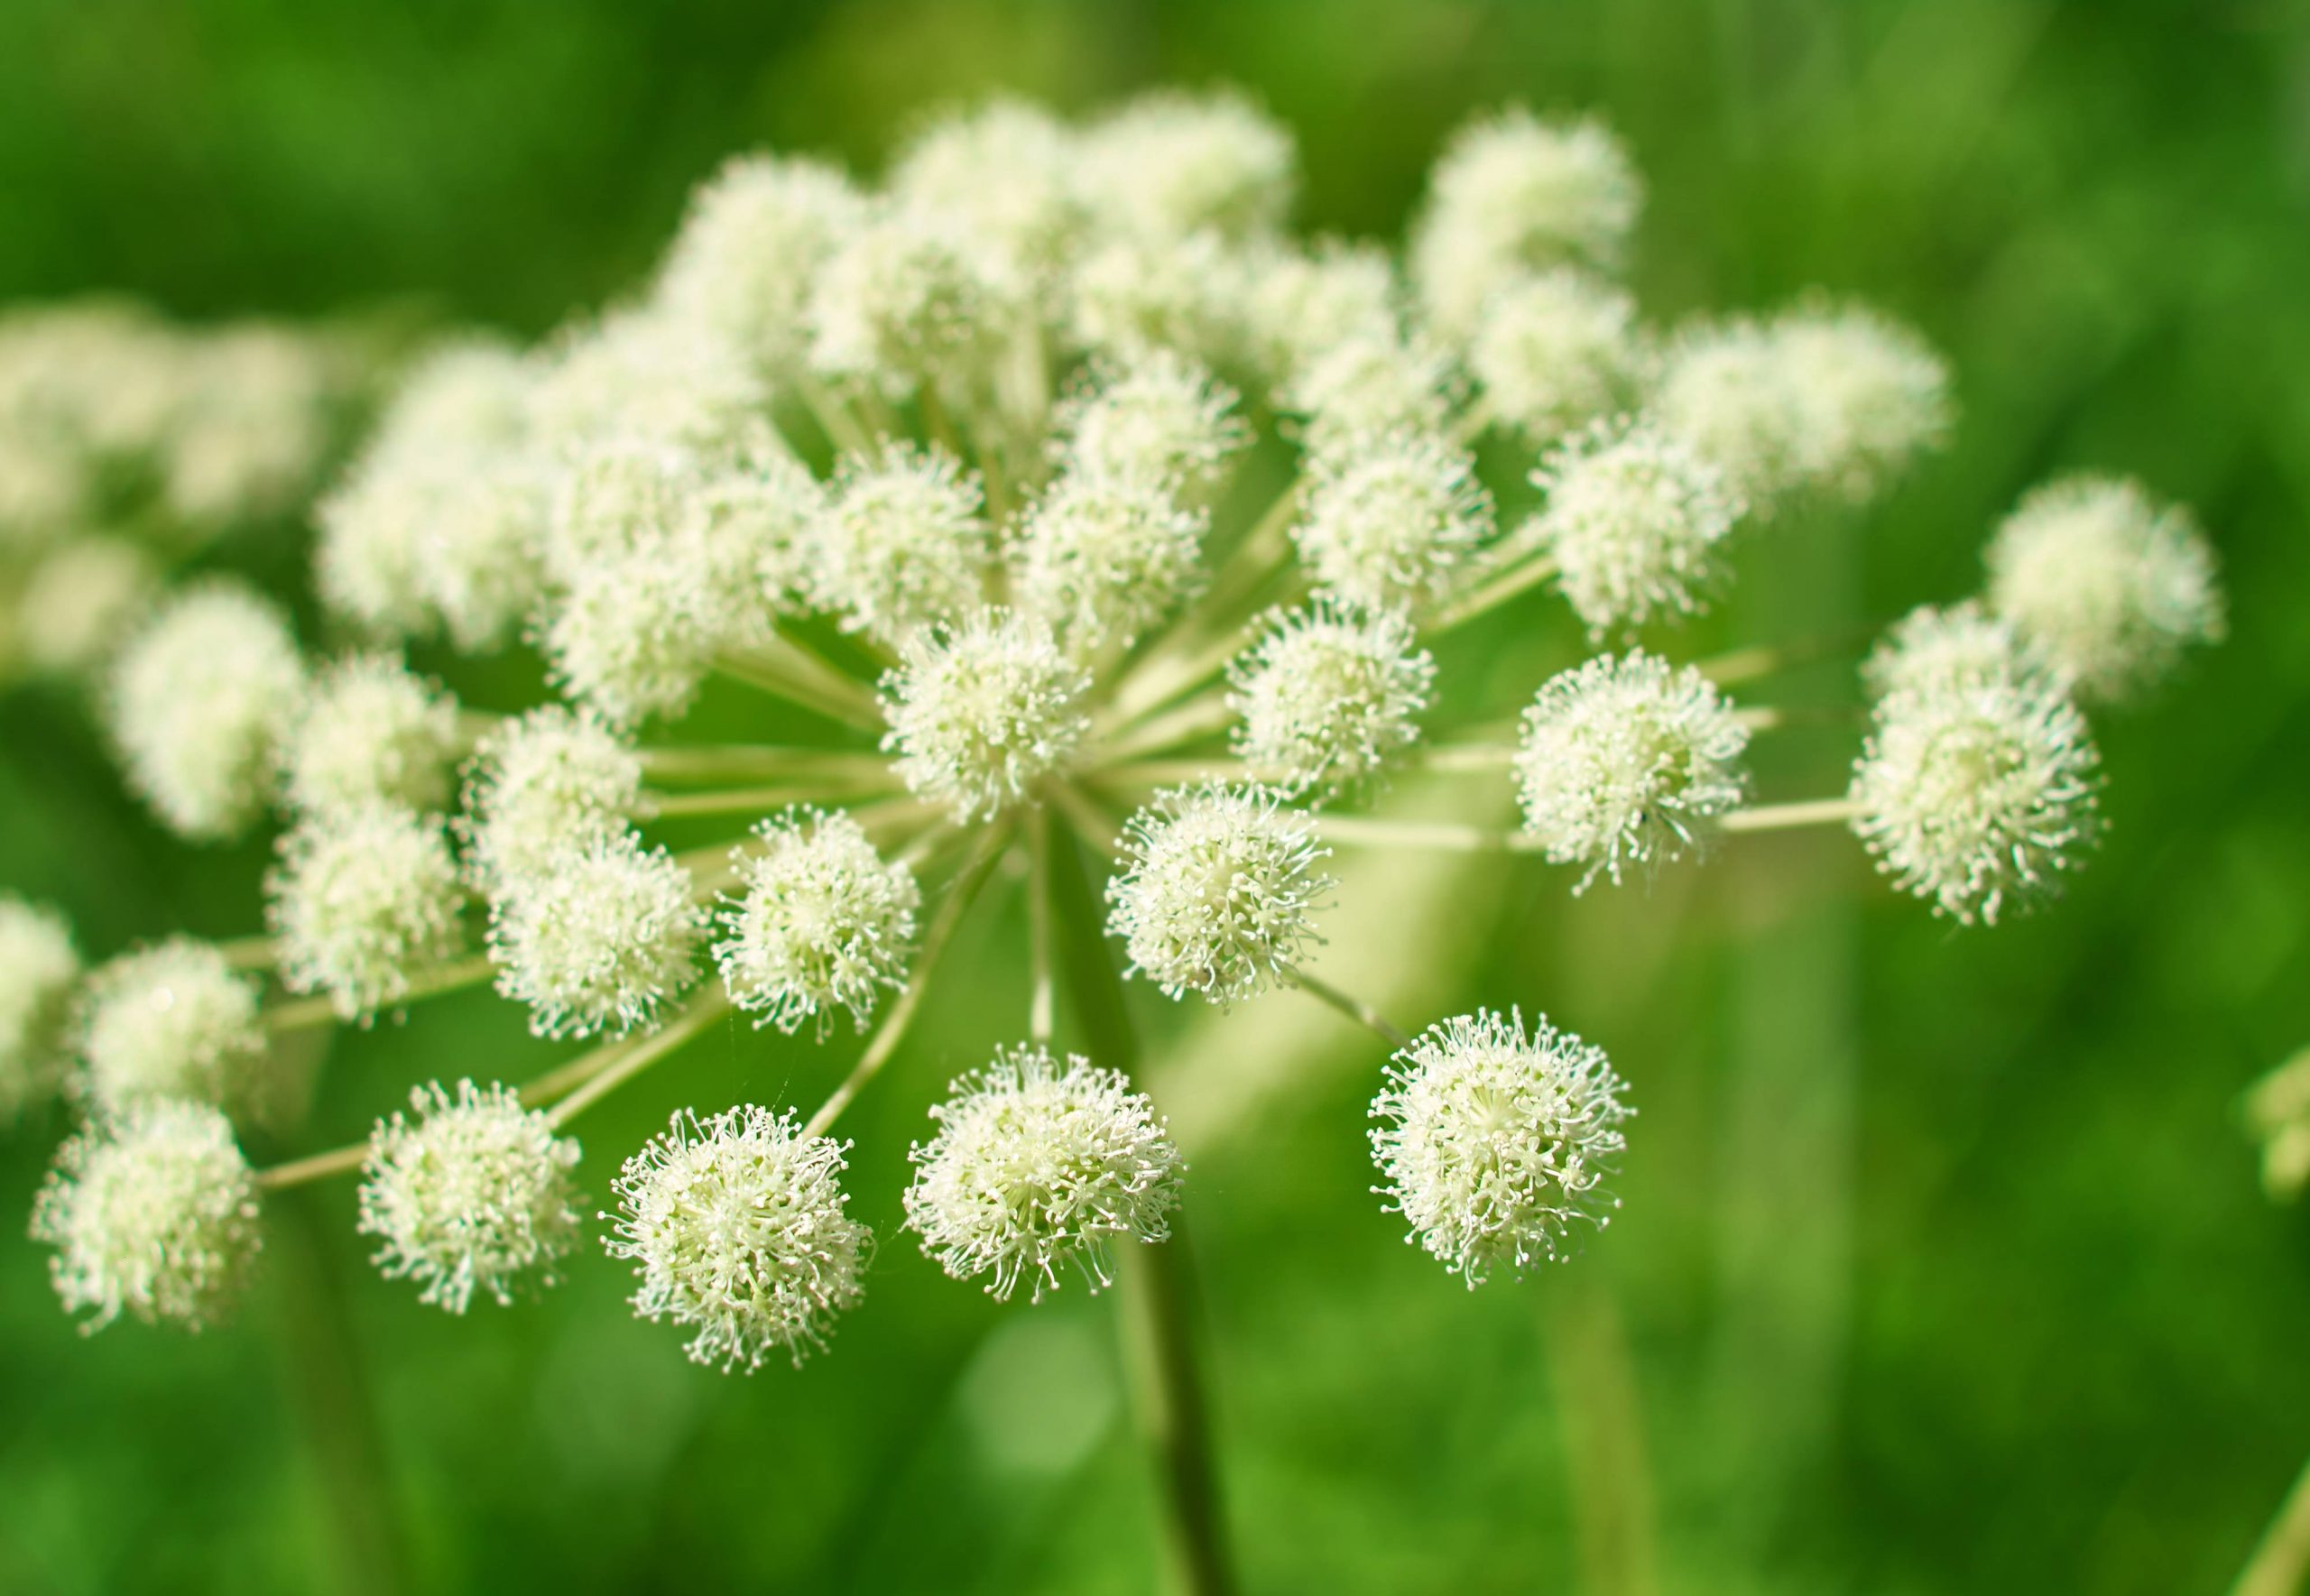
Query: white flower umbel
[1370, 384]
[1105, 557]
[39, 966]
[365, 898]
[1329, 696]
[1559, 350]
[474, 1194]
[1635, 521]
[170, 1022]
[1496, 1142]
[901, 545]
[821, 922]
[199, 700]
[903, 299]
[152, 1214]
[648, 377]
[1034, 1166]
[1873, 396]
[1939, 649]
[600, 942]
[1625, 762]
[1726, 391]
[1171, 163]
[1160, 415]
[981, 712]
[1301, 304]
[1132, 296]
[1976, 796]
[1393, 523]
[80, 600]
[2109, 584]
[1217, 891]
[735, 1228]
[1514, 193]
[554, 780]
[1007, 175]
[371, 731]
[635, 632]
[756, 237]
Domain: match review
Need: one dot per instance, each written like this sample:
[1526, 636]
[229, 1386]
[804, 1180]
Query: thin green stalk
[1781, 817]
[743, 761]
[1198, 717]
[1355, 1008]
[703, 1010]
[1508, 585]
[1161, 1315]
[1610, 1477]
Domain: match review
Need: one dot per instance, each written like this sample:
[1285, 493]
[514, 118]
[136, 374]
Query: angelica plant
[1076, 524]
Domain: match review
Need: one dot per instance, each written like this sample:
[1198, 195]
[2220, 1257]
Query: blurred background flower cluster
[1948, 1261]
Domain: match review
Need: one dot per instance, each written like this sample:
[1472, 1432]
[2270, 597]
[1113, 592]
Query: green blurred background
[1944, 1265]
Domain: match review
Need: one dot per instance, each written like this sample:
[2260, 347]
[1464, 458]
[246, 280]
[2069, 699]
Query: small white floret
[980, 713]
[821, 922]
[365, 899]
[600, 943]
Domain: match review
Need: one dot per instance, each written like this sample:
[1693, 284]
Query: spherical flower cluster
[1394, 524]
[1172, 164]
[1161, 418]
[2110, 585]
[1006, 176]
[821, 922]
[1133, 296]
[1934, 648]
[170, 1022]
[902, 301]
[1105, 557]
[1634, 521]
[1496, 1143]
[735, 1228]
[1035, 1165]
[601, 941]
[151, 1214]
[1370, 385]
[1515, 193]
[361, 900]
[1558, 351]
[1976, 796]
[1217, 890]
[475, 1195]
[38, 968]
[1299, 305]
[647, 377]
[370, 730]
[1625, 762]
[981, 712]
[250, 428]
[902, 544]
[755, 238]
[553, 781]
[79, 601]
[198, 701]
[1329, 696]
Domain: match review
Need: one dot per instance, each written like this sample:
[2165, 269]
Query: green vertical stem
[1161, 1317]
[1595, 1381]
[330, 1399]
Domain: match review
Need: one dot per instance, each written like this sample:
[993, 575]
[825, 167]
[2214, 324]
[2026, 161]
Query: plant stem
[754, 800]
[1355, 832]
[1355, 1008]
[1040, 1002]
[1781, 816]
[1160, 1316]
[1595, 1377]
[249, 953]
[745, 760]
[1510, 583]
[1744, 665]
[1197, 717]
[2280, 1565]
[703, 1012]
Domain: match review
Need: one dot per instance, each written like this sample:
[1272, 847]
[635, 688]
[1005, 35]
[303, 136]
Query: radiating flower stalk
[1062, 507]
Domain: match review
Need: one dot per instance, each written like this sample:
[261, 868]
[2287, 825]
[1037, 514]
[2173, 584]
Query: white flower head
[1329, 696]
[38, 968]
[734, 1225]
[1132, 296]
[901, 543]
[1301, 304]
[1393, 523]
[1160, 415]
[1726, 391]
[1512, 192]
[553, 781]
[754, 239]
[364, 898]
[904, 299]
[152, 1214]
[1635, 521]
[1217, 891]
[2108, 583]
[472, 1195]
[1170, 163]
[648, 377]
[252, 426]
[173, 1021]
[981, 712]
[371, 731]
[1008, 175]
[1371, 384]
[1626, 761]
[80, 601]
[1497, 1142]
[1873, 396]
[599, 943]
[1105, 557]
[1938, 648]
[821, 922]
[199, 700]
[1035, 1165]
[1557, 350]
[1977, 795]
[635, 632]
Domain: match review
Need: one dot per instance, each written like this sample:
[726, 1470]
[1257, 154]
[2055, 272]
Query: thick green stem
[1161, 1315]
